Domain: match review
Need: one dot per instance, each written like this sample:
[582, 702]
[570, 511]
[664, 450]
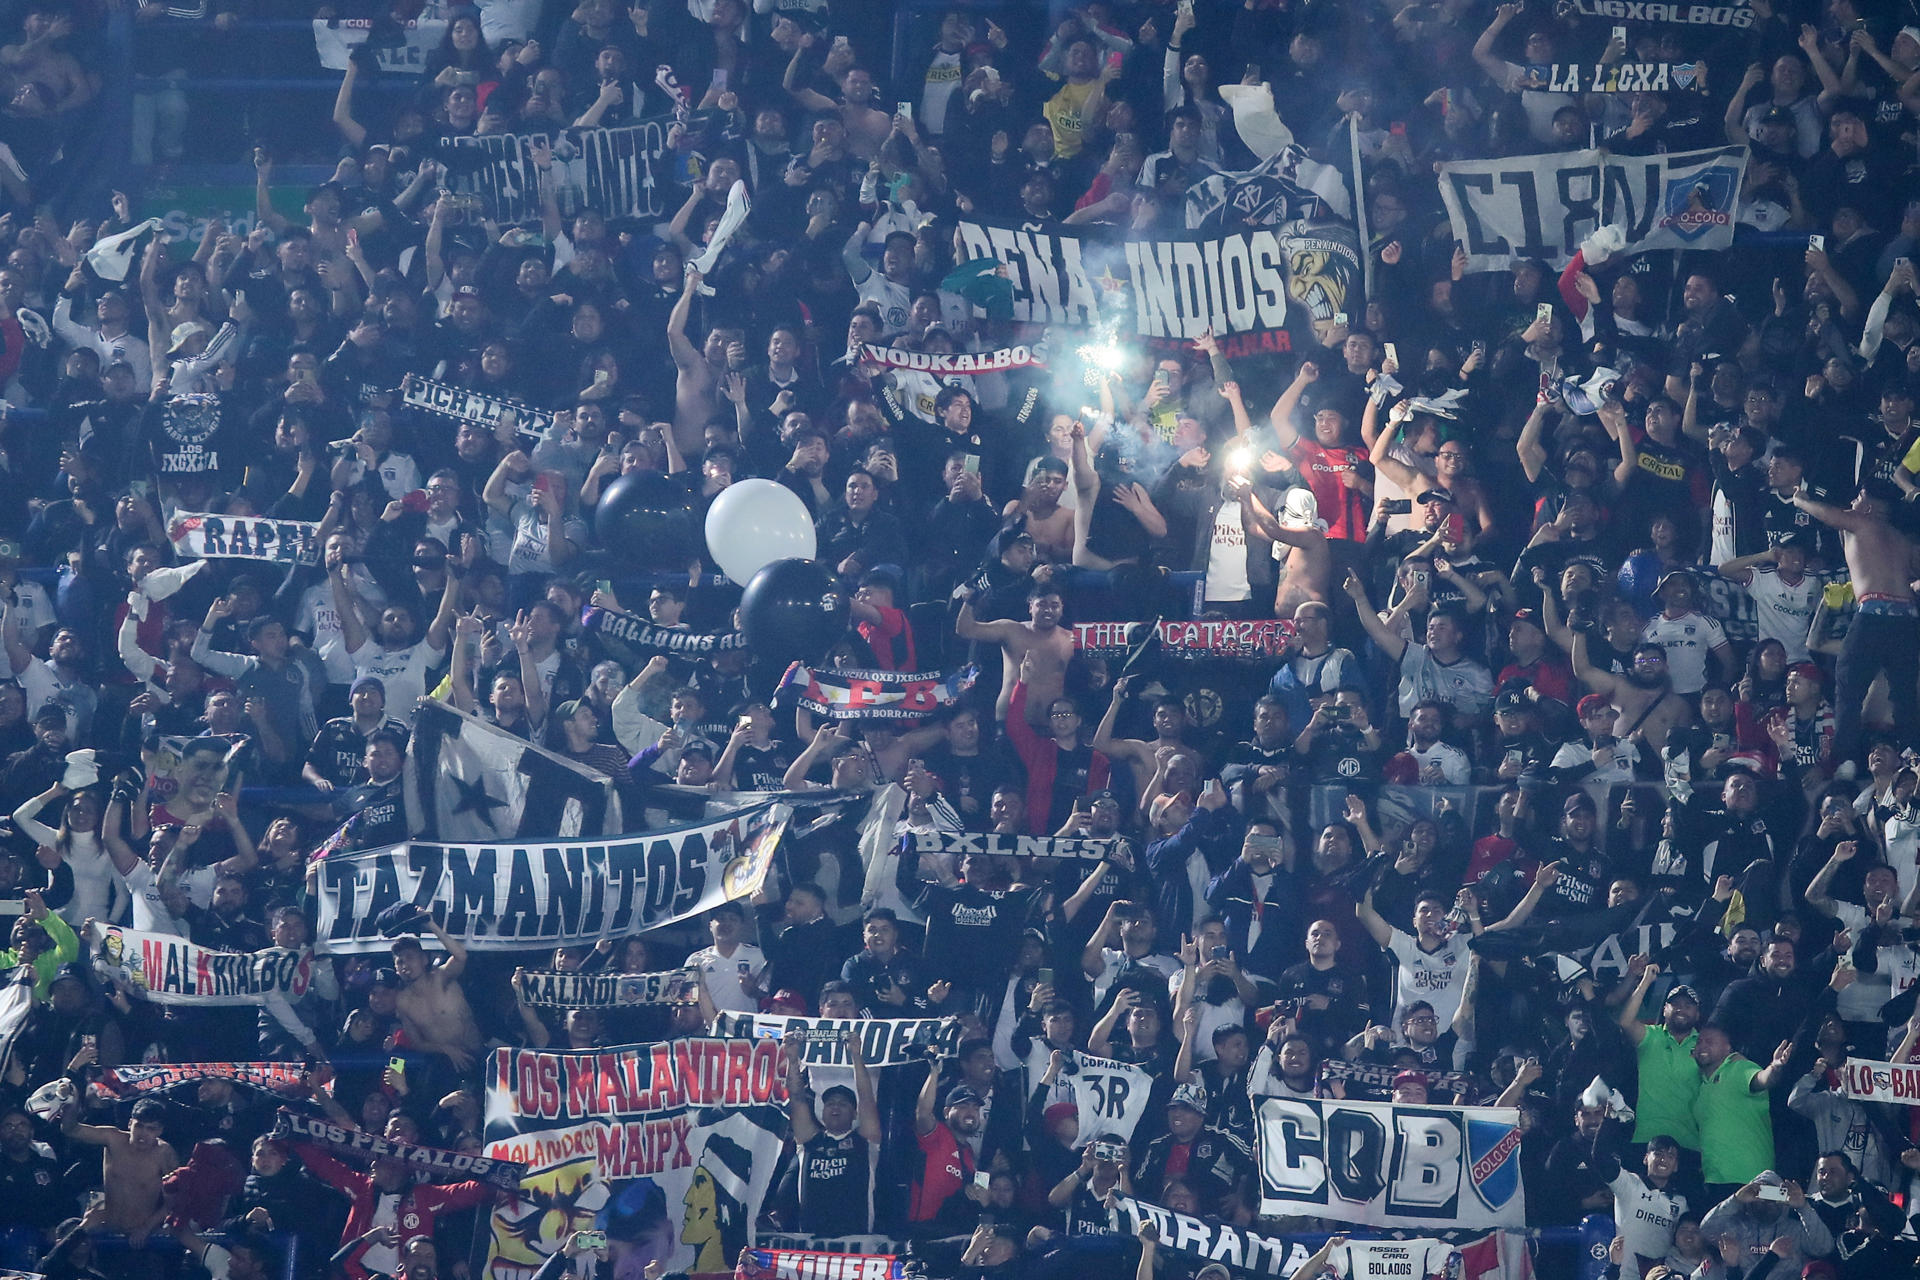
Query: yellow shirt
[1065, 111]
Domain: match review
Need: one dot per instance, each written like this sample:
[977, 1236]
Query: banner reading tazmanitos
[515, 895]
[667, 1147]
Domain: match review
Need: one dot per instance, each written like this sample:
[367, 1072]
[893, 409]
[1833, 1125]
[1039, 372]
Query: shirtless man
[1644, 703]
[1041, 638]
[40, 79]
[1169, 728]
[866, 126]
[136, 1160]
[1307, 571]
[432, 1008]
[1883, 636]
[700, 372]
[1040, 504]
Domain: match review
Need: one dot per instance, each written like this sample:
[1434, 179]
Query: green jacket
[66, 949]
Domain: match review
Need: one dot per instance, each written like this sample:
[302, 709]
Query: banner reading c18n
[1544, 206]
[1384, 1164]
[1250, 285]
[514, 895]
[670, 1146]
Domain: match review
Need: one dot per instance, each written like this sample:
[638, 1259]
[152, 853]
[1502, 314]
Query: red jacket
[1041, 756]
[418, 1205]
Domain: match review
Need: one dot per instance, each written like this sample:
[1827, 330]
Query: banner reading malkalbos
[517, 895]
[166, 969]
[1544, 206]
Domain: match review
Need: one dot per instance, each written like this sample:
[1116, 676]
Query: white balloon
[755, 522]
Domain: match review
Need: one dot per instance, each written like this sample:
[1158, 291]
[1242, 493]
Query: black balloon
[646, 521]
[794, 610]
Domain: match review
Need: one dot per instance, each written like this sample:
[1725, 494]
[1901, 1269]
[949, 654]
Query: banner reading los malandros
[1382, 1164]
[509, 896]
[1249, 281]
[1544, 206]
[684, 1134]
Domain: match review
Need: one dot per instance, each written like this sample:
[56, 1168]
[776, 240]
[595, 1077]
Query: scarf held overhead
[555, 990]
[874, 695]
[437, 1165]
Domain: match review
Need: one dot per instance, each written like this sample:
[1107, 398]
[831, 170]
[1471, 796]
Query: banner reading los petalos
[1544, 206]
[1387, 1165]
[677, 1139]
[1252, 281]
[503, 897]
[1881, 1082]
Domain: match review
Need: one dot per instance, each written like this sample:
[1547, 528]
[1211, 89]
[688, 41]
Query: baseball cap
[74, 970]
[1191, 1096]
[1681, 991]
[49, 713]
[367, 682]
[1591, 703]
[1528, 615]
[184, 332]
[961, 1095]
[1778, 115]
[1807, 671]
[1410, 1077]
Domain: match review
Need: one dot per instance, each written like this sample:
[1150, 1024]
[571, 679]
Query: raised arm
[1629, 1018]
[1281, 416]
[346, 603]
[1388, 642]
[1533, 454]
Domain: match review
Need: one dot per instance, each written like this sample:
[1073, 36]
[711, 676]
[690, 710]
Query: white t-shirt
[1464, 685]
[1643, 1215]
[1687, 639]
[1455, 769]
[1784, 612]
[721, 975]
[1212, 1016]
[150, 914]
[1438, 978]
[402, 671]
[1227, 558]
[318, 618]
[892, 299]
[30, 609]
[942, 82]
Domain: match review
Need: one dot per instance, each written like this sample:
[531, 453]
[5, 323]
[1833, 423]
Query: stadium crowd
[1583, 781]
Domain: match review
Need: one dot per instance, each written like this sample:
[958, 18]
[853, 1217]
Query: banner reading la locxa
[167, 969]
[679, 1138]
[620, 172]
[1383, 1164]
[509, 896]
[1544, 206]
[884, 1042]
[1239, 283]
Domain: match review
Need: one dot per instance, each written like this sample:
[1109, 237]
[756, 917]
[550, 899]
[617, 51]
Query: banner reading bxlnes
[509, 896]
[621, 172]
[684, 1134]
[1544, 206]
[1382, 1164]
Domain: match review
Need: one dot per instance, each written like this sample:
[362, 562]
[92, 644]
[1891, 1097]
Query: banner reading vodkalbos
[1383, 1164]
[1544, 206]
[516, 895]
